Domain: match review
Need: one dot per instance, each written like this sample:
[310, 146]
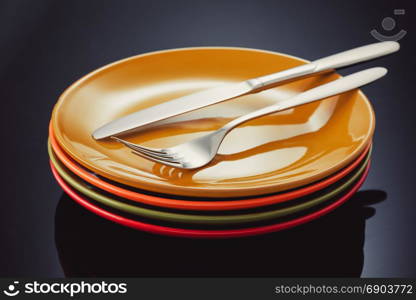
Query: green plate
[83, 188]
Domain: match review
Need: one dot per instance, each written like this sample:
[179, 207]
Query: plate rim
[209, 234]
[200, 204]
[336, 189]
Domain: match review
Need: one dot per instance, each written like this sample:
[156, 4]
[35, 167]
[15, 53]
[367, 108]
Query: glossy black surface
[311, 250]
[46, 45]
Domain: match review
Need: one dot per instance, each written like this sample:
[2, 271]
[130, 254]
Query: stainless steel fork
[200, 151]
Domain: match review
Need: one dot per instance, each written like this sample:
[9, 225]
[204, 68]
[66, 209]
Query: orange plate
[199, 205]
[267, 155]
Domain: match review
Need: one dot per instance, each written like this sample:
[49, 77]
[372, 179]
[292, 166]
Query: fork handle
[332, 88]
[339, 60]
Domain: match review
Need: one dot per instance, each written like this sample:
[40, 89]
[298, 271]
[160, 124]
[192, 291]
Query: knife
[211, 96]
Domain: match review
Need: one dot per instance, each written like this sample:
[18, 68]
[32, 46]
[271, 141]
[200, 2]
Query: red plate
[193, 233]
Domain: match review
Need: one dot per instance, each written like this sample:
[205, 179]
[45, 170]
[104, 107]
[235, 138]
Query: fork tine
[145, 151]
[159, 157]
[164, 155]
[172, 164]
[137, 147]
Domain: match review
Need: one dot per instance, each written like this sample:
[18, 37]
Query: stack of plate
[272, 173]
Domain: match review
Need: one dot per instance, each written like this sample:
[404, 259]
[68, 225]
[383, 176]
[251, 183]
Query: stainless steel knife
[211, 96]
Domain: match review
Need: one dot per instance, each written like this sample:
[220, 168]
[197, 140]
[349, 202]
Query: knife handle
[339, 60]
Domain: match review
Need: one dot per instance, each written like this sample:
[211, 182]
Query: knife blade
[172, 108]
[215, 95]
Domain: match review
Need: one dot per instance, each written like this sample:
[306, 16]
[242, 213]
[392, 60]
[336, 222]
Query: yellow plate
[274, 153]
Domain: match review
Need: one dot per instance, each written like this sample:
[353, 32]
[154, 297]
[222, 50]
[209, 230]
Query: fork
[200, 151]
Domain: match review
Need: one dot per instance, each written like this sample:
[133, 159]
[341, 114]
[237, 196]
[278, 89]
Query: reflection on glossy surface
[330, 246]
[269, 154]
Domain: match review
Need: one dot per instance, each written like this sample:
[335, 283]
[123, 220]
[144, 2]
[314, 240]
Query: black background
[47, 45]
